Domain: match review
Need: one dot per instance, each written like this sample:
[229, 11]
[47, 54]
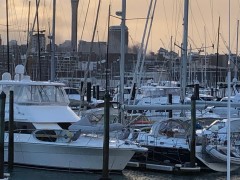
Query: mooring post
[97, 93]
[89, 93]
[170, 102]
[196, 91]
[193, 130]
[105, 172]
[11, 134]
[94, 92]
[2, 128]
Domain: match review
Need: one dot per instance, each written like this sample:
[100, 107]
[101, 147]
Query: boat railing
[220, 139]
[62, 135]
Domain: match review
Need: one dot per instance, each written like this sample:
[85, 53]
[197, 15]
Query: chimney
[74, 24]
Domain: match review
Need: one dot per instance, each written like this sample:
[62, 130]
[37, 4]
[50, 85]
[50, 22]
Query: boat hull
[221, 155]
[163, 155]
[68, 157]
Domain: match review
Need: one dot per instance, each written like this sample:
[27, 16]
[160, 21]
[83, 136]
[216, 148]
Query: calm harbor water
[34, 174]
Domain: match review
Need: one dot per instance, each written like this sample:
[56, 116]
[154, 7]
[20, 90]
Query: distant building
[12, 43]
[66, 46]
[99, 48]
[115, 39]
[34, 43]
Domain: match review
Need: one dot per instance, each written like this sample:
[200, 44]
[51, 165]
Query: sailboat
[169, 142]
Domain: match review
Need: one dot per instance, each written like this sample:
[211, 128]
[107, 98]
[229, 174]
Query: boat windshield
[36, 94]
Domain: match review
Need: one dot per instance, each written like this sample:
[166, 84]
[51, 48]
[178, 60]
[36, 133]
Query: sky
[203, 22]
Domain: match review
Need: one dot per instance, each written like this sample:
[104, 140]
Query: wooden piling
[97, 92]
[10, 132]
[105, 172]
[193, 130]
[133, 92]
[2, 128]
[170, 102]
[94, 92]
[196, 91]
[89, 84]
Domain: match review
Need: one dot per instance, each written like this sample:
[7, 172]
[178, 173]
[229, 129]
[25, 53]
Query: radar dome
[6, 76]
[19, 69]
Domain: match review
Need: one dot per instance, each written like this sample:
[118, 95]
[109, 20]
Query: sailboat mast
[29, 3]
[122, 61]
[217, 52]
[184, 55]
[39, 46]
[205, 59]
[53, 66]
[8, 64]
[30, 35]
[229, 95]
[236, 63]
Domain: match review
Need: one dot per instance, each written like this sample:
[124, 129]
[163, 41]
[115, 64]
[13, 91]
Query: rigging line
[140, 53]
[31, 33]
[43, 11]
[81, 12]
[84, 23]
[213, 27]
[46, 24]
[176, 20]
[22, 13]
[19, 34]
[225, 43]
[104, 35]
[64, 16]
[134, 44]
[136, 27]
[175, 3]
[238, 7]
[99, 49]
[89, 57]
[234, 36]
[196, 26]
[14, 20]
[95, 11]
[204, 22]
[196, 47]
[173, 10]
[127, 18]
[146, 45]
[177, 29]
[107, 59]
[164, 10]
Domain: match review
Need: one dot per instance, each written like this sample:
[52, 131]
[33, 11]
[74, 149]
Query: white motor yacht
[41, 135]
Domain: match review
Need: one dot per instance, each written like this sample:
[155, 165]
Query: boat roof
[30, 82]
